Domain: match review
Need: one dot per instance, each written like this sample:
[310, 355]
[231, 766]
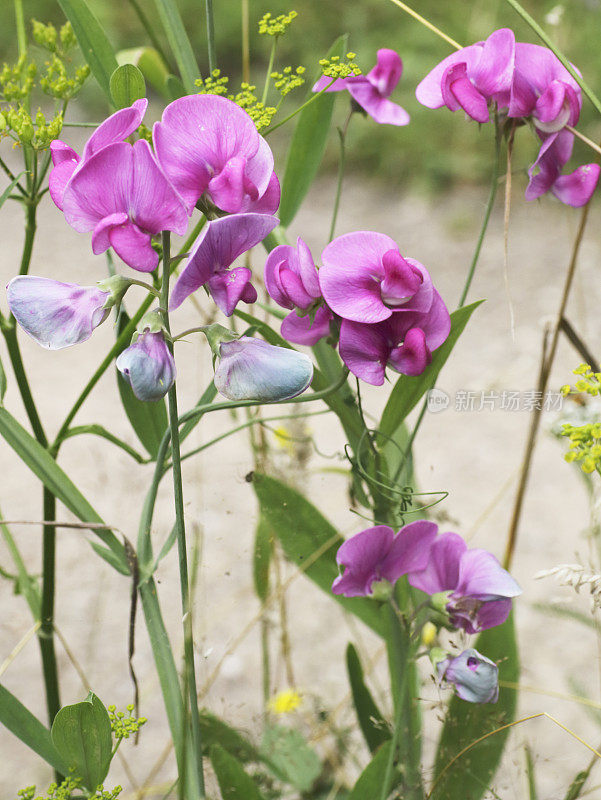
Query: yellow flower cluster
[56, 82]
[336, 68]
[288, 79]
[275, 26]
[36, 132]
[284, 702]
[246, 98]
[123, 726]
[585, 440]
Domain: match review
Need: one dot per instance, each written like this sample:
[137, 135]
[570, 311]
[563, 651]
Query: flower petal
[133, 246]
[442, 572]
[410, 550]
[387, 72]
[362, 556]
[116, 128]
[228, 288]
[577, 188]
[364, 350]
[482, 577]
[383, 111]
[304, 330]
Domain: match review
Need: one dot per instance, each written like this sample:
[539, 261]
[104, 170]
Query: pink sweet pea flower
[404, 342]
[221, 242]
[291, 280]
[378, 554]
[473, 77]
[364, 278]
[206, 143]
[543, 89]
[575, 189]
[478, 590]
[121, 195]
[115, 128]
[372, 91]
[148, 366]
[57, 314]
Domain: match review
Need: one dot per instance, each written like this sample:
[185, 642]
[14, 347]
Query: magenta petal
[307, 270]
[198, 135]
[364, 350]
[362, 555]
[303, 330]
[116, 128]
[400, 282]
[153, 203]
[227, 189]
[387, 72]
[550, 104]
[59, 178]
[269, 202]
[482, 577]
[277, 260]
[383, 111]
[459, 92]
[413, 356]
[133, 246]
[100, 237]
[61, 152]
[442, 572]
[227, 288]
[429, 91]
[219, 245]
[577, 188]
[489, 615]
[339, 85]
[410, 550]
[294, 288]
[494, 71]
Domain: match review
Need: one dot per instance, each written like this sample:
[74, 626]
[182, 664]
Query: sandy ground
[474, 455]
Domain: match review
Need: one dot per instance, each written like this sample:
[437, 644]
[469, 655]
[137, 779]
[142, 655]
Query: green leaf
[234, 783]
[98, 430]
[308, 538]
[82, 735]
[172, 24]
[469, 777]
[6, 193]
[408, 390]
[577, 785]
[41, 463]
[174, 87]
[110, 558]
[150, 63]
[21, 722]
[371, 720]
[216, 732]
[149, 420]
[262, 558]
[291, 757]
[3, 383]
[369, 783]
[93, 41]
[127, 85]
[308, 145]
[169, 680]
[27, 584]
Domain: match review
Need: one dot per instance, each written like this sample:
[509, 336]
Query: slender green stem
[341, 163]
[190, 676]
[10, 336]
[46, 633]
[494, 185]
[20, 21]
[30, 230]
[269, 69]
[210, 35]
[312, 99]
[553, 47]
[11, 176]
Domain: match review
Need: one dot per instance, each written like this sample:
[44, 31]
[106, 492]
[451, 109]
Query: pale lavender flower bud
[148, 366]
[57, 314]
[475, 677]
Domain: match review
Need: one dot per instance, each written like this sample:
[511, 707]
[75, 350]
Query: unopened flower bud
[148, 366]
[475, 677]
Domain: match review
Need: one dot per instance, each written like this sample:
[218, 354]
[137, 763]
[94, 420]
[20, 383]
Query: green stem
[312, 99]
[494, 185]
[190, 676]
[46, 633]
[10, 336]
[553, 47]
[342, 135]
[11, 176]
[20, 21]
[150, 31]
[30, 229]
[269, 70]
[210, 35]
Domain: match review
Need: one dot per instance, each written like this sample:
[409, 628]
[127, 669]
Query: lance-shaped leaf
[234, 783]
[371, 720]
[369, 783]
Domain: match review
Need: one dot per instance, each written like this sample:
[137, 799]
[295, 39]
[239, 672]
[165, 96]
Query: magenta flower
[251, 369]
[218, 246]
[115, 128]
[207, 143]
[475, 677]
[543, 89]
[404, 342]
[364, 278]
[148, 366]
[545, 175]
[57, 314]
[477, 589]
[377, 554]
[473, 77]
[291, 280]
[372, 91]
[121, 195]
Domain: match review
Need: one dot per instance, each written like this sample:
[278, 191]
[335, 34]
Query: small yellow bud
[428, 634]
